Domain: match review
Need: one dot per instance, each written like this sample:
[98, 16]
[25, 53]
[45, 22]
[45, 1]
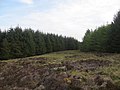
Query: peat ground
[65, 70]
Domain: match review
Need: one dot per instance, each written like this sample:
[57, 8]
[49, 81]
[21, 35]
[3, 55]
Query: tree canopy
[103, 39]
[17, 43]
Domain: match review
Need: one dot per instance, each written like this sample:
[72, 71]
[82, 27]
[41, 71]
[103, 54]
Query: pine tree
[87, 41]
[5, 50]
[16, 48]
[114, 35]
[48, 43]
[39, 43]
[28, 43]
[16, 43]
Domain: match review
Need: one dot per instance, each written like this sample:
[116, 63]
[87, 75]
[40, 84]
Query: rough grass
[64, 70]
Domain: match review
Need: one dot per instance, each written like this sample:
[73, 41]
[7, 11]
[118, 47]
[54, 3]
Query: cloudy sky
[66, 17]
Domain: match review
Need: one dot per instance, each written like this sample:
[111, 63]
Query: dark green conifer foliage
[114, 35]
[17, 43]
[48, 43]
[96, 40]
[29, 44]
[53, 42]
[5, 49]
[39, 43]
[103, 39]
[17, 40]
[86, 44]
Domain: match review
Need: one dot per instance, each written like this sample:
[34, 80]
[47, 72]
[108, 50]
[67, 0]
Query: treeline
[17, 43]
[103, 39]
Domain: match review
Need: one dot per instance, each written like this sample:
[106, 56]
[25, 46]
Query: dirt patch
[73, 56]
[23, 75]
[89, 64]
[98, 82]
[103, 54]
[3, 63]
[38, 74]
[94, 64]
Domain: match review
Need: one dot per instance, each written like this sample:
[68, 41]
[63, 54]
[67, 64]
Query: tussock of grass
[37, 66]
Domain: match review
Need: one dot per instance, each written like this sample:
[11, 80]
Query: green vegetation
[104, 38]
[36, 68]
[17, 43]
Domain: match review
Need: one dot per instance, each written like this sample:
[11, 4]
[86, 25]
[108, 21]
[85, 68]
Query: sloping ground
[67, 70]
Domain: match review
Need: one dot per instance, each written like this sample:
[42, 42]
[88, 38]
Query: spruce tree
[5, 49]
[114, 35]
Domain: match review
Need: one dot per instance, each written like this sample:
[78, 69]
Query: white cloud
[71, 18]
[27, 1]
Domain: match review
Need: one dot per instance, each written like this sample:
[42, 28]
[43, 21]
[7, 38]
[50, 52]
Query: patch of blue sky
[12, 10]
